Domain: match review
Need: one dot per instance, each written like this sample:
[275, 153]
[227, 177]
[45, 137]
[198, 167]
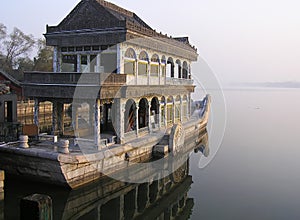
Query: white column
[137, 118]
[181, 116]
[119, 55]
[88, 68]
[98, 63]
[78, 63]
[165, 113]
[165, 74]
[97, 123]
[121, 123]
[159, 73]
[187, 109]
[75, 118]
[148, 73]
[136, 71]
[118, 110]
[55, 59]
[60, 117]
[54, 117]
[36, 112]
[174, 111]
[159, 116]
[149, 115]
[189, 106]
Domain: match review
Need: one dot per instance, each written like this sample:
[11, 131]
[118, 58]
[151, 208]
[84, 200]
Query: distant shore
[288, 84]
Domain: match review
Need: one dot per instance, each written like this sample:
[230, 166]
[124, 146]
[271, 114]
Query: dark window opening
[87, 48]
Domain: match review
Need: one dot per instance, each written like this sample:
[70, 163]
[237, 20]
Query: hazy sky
[242, 40]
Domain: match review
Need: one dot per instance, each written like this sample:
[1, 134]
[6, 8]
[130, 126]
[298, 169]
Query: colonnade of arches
[155, 112]
[143, 65]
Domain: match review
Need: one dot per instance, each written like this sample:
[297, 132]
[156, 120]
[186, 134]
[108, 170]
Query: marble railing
[74, 78]
[176, 81]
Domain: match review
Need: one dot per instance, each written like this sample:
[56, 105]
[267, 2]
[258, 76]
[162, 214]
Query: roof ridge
[10, 77]
[115, 7]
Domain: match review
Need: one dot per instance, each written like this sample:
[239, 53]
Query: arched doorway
[130, 116]
[143, 113]
[154, 111]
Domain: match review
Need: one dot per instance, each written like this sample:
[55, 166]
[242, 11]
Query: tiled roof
[123, 14]
[96, 16]
[10, 78]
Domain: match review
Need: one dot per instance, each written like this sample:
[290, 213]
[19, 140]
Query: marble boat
[129, 92]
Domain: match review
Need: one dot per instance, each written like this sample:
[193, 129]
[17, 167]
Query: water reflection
[166, 198]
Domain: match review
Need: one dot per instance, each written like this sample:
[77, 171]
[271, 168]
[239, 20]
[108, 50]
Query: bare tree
[17, 45]
[2, 31]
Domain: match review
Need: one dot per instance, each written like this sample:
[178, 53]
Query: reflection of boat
[115, 200]
[165, 198]
[203, 146]
[1, 206]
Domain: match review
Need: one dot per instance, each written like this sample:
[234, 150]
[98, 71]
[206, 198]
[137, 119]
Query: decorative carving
[176, 139]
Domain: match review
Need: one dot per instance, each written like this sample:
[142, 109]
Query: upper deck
[110, 85]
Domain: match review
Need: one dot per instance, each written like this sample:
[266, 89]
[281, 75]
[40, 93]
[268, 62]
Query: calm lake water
[254, 175]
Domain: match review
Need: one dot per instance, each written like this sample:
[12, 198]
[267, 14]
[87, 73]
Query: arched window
[170, 67]
[155, 58]
[130, 54]
[154, 66]
[178, 69]
[129, 61]
[143, 64]
[185, 70]
[143, 56]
